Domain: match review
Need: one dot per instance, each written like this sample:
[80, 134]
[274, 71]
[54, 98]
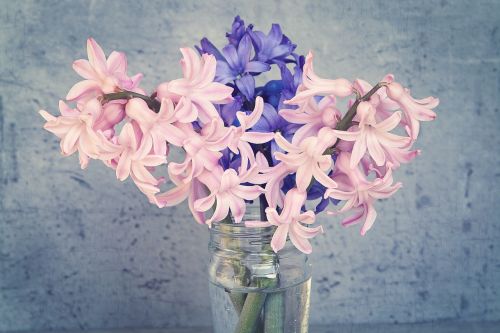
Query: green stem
[273, 313]
[250, 313]
[152, 103]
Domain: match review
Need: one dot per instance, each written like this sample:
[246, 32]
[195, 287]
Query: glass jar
[253, 289]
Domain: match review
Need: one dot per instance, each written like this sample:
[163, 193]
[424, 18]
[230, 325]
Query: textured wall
[78, 249]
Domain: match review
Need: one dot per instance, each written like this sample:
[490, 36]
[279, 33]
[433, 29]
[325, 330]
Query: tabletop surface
[435, 327]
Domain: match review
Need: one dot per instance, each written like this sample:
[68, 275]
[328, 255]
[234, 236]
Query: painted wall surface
[78, 249]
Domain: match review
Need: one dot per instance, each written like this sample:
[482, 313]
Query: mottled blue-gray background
[78, 249]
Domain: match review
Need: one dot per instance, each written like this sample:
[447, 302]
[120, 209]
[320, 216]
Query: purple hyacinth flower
[237, 31]
[228, 111]
[271, 121]
[237, 62]
[292, 81]
[273, 47]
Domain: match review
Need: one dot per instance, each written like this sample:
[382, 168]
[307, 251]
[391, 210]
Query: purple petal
[231, 55]
[246, 85]
[257, 67]
[244, 49]
[280, 51]
[208, 47]
[224, 73]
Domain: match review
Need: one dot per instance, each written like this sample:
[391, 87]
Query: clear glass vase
[253, 289]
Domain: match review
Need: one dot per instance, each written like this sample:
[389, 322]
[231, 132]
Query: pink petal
[96, 56]
[124, 166]
[81, 88]
[257, 137]
[221, 209]
[371, 215]
[303, 177]
[302, 244]
[374, 149]
[323, 178]
[190, 63]
[237, 207]
[174, 196]
[84, 69]
[306, 232]
[248, 192]
[204, 204]
[279, 238]
[358, 151]
[117, 62]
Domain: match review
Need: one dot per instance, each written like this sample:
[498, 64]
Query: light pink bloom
[202, 149]
[242, 136]
[313, 85]
[102, 76]
[75, 129]
[228, 194]
[307, 159]
[154, 126]
[290, 222]
[415, 110]
[196, 92]
[382, 104]
[372, 136]
[192, 190]
[313, 116]
[112, 114]
[358, 192]
[135, 161]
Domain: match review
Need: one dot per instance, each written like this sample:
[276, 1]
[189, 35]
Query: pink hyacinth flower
[154, 126]
[197, 91]
[415, 110]
[382, 104]
[372, 136]
[192, 190]
[75, 129]
[290, 222]
[202, 149]
[313, 116]
[307, 159]
[229, 195]
[133, 161]
[313, 85]
[358, 192]
[102, 76]
[242, 136]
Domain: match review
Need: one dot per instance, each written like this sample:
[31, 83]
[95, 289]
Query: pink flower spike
[372, 136]
[197, 91]
[317, 86]
[414, 110]
[102, 76]
[290, 222]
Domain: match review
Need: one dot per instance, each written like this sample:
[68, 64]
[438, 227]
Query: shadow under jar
[253, 289]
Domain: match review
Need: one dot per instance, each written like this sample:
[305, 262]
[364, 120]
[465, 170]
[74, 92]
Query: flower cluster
[283, 142]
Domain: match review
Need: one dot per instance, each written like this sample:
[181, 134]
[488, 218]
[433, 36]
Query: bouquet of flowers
[285, 143]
